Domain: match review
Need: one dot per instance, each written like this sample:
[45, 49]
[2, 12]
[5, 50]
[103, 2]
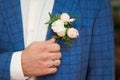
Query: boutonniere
[62, 26]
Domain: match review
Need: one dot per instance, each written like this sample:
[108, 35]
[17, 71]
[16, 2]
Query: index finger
[53, 47]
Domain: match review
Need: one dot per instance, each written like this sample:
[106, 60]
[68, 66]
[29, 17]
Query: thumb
[52, 40]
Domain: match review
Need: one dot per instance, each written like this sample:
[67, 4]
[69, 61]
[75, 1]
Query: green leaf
[49, 22]
[53, 18]
[58, 16]
[55, 36]
[67, 40]
[73, 14]
[50, 15]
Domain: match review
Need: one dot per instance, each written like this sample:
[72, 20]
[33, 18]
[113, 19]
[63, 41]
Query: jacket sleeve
[101, 59]
[5, 56]
[5, 59]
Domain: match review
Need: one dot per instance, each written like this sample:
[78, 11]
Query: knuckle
[51, 56]
[41, 63]
[45, 57]
[42, 48]
[45, 64]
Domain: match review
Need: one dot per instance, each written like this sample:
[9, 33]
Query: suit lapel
[13, 21]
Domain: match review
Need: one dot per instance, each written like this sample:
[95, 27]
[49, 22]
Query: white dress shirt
[34, 15]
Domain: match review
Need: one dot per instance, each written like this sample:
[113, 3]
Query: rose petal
[71, 20]
[65, 17]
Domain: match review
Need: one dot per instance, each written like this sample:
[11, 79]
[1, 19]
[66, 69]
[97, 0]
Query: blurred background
[116, 19]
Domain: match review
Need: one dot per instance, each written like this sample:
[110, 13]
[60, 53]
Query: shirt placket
[32, 21]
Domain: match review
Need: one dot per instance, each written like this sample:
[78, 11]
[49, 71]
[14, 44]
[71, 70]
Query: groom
[28, 52]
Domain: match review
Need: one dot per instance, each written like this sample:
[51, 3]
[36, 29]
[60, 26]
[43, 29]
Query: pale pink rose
[65, 17]
[72, 33]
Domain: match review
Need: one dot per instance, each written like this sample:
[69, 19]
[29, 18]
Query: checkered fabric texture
[91, 56]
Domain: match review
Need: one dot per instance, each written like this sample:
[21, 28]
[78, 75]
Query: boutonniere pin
[62, 26]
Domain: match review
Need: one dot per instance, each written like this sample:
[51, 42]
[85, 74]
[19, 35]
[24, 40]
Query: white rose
[62, 33]
[58, 27]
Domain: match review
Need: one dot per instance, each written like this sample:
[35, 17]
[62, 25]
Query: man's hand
[41, 58]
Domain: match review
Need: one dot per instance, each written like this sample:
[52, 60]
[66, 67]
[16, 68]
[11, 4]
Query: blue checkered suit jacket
[91, 55]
